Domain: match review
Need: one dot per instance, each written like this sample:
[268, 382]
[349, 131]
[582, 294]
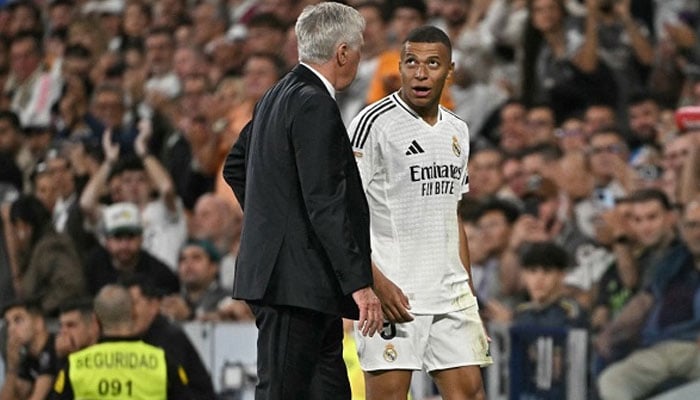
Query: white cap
[122, 218]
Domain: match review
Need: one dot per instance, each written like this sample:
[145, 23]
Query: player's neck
[429, 113]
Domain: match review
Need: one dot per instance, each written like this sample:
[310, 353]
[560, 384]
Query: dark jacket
[305, 238]
[100, 272]
[181, 352]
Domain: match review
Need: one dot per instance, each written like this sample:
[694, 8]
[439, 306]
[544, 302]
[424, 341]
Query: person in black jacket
[155, 329]
[304, 257]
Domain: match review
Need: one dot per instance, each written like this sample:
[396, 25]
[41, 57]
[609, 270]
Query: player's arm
[464, 255]
[394, 302]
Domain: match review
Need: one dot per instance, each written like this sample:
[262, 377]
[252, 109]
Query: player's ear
[451, 70]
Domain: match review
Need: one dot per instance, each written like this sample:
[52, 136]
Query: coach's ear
[341, 54]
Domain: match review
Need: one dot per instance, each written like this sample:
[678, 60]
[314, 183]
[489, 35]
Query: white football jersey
[413, 175]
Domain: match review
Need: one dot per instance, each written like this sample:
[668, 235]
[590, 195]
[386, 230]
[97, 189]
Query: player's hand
[370, 320]
[394, 302]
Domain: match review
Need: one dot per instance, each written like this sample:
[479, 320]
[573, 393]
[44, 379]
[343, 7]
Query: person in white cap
[122, 255]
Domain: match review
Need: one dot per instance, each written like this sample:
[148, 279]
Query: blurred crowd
[116, 117]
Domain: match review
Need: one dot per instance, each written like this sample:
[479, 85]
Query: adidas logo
[414, 148]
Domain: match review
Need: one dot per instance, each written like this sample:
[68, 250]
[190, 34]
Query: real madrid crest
[456, 148]
[390, 354]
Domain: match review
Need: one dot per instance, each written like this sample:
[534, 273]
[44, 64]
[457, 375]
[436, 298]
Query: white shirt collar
[325, 81]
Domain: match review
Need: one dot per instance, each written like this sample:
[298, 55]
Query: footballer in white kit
[414, 172]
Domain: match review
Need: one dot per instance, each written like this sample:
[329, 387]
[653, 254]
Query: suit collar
[309, 74]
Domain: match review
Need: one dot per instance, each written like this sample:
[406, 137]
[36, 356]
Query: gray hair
[321, 28]
[113, 307]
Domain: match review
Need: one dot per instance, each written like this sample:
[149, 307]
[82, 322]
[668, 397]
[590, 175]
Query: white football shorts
[429, 342]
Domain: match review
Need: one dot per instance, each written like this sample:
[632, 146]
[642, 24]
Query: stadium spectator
[162, 82]
[219, 222]
[201, 296]
[514, 177]
[50, 269]
[624, 45]
[44, 187]
[607, 157]
[485, 173]
[512, 132]
[598, 116]
[30, 363]
[661, 318]
[67, 216]
[31, 87]
[122, 255]
[541, 160]
[132, 179]
[25, 16]
[544, 267]
[155, 329]
[494, 222]
[78, 327]
[540, 124]
[10, 135]
[209, 22]
[644, 116]
[560, 63]
[571, 135]
[640, 233]
[266, 33]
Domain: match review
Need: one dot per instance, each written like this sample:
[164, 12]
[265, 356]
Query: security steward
[120, 366]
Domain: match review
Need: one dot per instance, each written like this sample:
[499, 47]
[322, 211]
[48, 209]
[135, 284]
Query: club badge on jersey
[456, 148]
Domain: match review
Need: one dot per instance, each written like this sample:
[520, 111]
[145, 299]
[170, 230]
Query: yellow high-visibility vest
[118, 370]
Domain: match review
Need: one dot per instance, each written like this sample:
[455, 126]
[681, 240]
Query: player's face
[424, 68]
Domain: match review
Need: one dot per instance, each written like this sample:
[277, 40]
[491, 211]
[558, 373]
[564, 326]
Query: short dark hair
[640, 97]
[32, 305]
[506, 207]
[29, 209]
[12, 118]
[274, 59]
[548, 151]
[547, 255]
[650, 194]
[129, 162]
[429, 34]
[83, 305]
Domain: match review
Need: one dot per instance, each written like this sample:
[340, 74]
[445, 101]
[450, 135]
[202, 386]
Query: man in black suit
[304, 258]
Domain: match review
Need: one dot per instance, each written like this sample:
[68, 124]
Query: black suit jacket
[305, 238]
